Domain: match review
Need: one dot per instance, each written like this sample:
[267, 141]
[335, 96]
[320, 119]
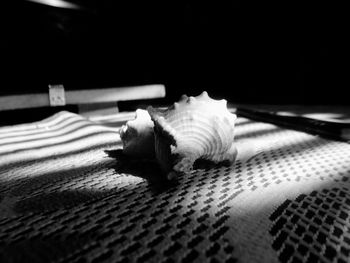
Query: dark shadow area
[207, 165]
[144, 168]
[45, 248]
[257, 52]
[127, 164]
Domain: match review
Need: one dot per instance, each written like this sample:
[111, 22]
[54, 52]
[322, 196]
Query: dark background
[246, 51]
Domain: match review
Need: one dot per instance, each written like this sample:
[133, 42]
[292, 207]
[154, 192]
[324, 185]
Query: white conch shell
[137, 136]
[193, 128]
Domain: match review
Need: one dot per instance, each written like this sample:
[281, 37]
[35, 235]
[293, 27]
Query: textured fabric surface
[67, 195]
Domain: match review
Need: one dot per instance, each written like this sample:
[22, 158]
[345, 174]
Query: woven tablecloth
[67, 195]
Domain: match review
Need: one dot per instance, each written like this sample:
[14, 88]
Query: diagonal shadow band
[64, 143]
[30, 161]
[260, 132]
[58, 135]
[33, 127]
[45, 248]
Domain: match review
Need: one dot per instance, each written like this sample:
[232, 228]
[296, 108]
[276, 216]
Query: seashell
[137, 136]
[191, 129]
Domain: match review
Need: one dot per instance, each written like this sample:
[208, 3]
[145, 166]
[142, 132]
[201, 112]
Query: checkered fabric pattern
[68, 195]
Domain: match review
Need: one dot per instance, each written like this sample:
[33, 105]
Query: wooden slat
[84, 96]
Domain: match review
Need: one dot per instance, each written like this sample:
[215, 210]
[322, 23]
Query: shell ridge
[206, 133]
